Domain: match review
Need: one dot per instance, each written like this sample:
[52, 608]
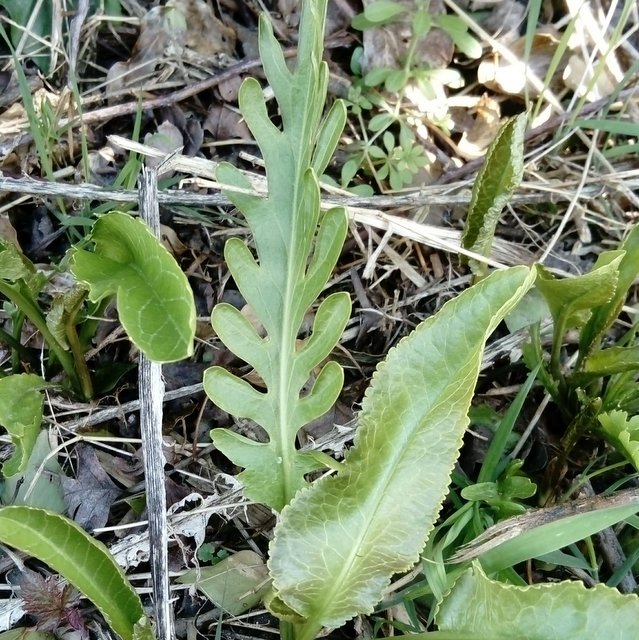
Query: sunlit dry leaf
[500, 74]
[486, 120]
[171, 241]
[578, 76]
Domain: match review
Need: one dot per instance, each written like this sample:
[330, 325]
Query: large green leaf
[21, 403]
[82, 560]
[478, 608]
[297, 248]
[154, 299]
[498, 178]
[339, 541]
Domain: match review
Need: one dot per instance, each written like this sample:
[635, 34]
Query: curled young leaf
[154, 299]
[499, 176]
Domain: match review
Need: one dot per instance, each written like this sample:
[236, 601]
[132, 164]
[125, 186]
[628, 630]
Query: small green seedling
[21, 284]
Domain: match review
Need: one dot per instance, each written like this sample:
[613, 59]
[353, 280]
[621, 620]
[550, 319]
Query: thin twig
[151, 397]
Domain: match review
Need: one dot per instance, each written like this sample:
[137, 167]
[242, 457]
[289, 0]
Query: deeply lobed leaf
[296, 250]
[339, 541]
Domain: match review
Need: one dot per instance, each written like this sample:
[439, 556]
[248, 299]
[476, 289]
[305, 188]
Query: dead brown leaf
[168, 139]
[181, 28]
[482, 124]
[90, 495]
[388, 46]
[225, 124]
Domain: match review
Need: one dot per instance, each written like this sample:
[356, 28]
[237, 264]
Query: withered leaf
[54, 604]
[89, 496]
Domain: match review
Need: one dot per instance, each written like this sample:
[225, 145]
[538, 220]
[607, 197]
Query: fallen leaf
[485, 121]
[504, 20]
[510, 76]
[579, 76]
[89, 496]
[205, 33]
[236, 584]
[168, 139]
[225, 124]
[177, 29]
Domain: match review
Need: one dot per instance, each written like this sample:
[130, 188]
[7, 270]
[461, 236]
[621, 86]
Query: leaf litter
[397, 277]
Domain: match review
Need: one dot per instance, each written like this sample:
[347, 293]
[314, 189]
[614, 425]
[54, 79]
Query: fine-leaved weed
[388, 149]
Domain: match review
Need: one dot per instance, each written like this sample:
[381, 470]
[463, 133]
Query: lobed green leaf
[330, 132]
[296, 250]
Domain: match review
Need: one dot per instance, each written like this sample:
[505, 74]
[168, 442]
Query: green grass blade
[537, 533]
[491, 467]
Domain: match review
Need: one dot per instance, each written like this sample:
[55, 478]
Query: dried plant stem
[151, 389]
